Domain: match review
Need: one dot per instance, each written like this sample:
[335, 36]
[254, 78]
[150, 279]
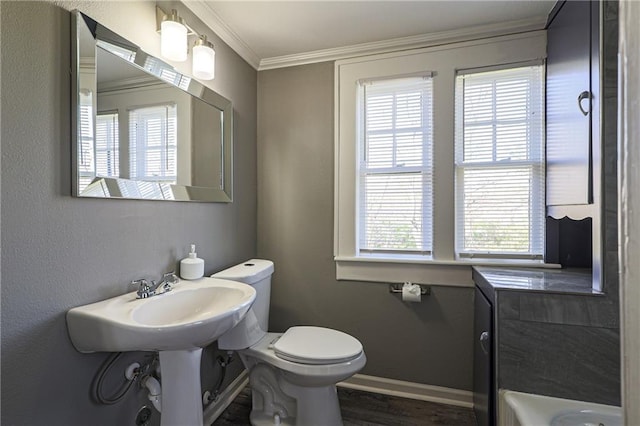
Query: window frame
[441, 268]
[112, 144]
[139, 148]
[535, 161]
[423, 83]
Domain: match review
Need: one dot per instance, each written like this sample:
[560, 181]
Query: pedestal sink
[178, 324]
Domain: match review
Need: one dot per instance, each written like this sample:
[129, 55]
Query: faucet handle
[144, 289]
[170, 278]
[142, 283]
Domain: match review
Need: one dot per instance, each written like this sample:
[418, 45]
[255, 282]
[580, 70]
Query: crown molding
[131, 83]
[211, 19]
[405, 43]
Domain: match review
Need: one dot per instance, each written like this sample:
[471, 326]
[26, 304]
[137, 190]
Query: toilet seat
[316, 346]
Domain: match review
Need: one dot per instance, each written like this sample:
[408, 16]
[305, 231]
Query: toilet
[292, 375]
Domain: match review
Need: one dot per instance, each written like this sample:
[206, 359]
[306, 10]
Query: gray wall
[59, 252]
[430, 342]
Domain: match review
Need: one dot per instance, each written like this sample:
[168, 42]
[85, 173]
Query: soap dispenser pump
[192, 267]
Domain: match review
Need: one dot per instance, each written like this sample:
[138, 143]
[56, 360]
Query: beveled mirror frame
[83, 24]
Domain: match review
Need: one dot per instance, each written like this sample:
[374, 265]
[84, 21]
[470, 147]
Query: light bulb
[204, 59]
[173, 38]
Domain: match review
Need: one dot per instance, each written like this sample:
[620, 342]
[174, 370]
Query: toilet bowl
[292, 375]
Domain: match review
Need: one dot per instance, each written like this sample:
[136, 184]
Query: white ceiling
[269, 34]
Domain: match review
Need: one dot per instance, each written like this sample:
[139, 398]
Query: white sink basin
[192, 315]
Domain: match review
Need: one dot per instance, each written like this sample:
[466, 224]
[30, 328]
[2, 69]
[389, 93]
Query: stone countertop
[563, 281]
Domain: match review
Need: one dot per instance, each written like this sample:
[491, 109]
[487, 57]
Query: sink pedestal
[181, 400]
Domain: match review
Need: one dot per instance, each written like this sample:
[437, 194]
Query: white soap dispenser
[192, 267]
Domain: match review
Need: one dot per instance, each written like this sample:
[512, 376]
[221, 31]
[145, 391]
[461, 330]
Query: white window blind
[125, 52]
[107, 141]
[86, 165]
[145, 190]
[166, 73]
[395, 170]
[153, 143]
[499, 162]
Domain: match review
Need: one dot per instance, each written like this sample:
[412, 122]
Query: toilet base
[315, 406]
[278, 401]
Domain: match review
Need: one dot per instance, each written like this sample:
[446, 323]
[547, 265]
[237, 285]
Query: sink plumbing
[143, 374]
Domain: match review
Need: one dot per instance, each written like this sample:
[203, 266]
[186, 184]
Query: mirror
[141, 129]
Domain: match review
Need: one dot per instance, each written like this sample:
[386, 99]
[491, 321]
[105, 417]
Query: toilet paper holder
[425, 290]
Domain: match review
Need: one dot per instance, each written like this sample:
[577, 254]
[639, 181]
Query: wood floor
[370, 409]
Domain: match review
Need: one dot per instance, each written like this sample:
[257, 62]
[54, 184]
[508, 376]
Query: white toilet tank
[254, 326]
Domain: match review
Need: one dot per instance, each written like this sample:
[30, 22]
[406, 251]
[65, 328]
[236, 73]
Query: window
[86, 165]
[499, 164]
[153, 143]
[395, 193]
[107, 145]
[412, 199]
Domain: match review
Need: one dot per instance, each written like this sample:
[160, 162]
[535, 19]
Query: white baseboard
[214, 409]
[438, 394]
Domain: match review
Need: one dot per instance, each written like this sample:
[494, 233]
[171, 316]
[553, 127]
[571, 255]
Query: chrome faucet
[164, 285]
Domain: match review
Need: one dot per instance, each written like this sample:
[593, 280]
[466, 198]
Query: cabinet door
[483, 389]
[569, 98]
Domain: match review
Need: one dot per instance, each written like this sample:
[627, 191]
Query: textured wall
[59, 252]
[428, 343]
[609, 137]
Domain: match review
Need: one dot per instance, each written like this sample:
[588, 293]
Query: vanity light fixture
[174, 34]
[173, 37]
[204, 59]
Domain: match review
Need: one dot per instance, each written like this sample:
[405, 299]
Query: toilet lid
[316, 345]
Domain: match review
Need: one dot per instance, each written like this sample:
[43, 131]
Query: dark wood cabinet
[573, 121]
[483, 361]
[572, 98]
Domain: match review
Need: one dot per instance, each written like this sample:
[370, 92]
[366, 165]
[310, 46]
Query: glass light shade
[204, 62]
[173, 41]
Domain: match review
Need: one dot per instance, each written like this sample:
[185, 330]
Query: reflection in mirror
[142, 129]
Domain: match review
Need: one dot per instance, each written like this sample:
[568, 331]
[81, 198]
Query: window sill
[420, 270]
